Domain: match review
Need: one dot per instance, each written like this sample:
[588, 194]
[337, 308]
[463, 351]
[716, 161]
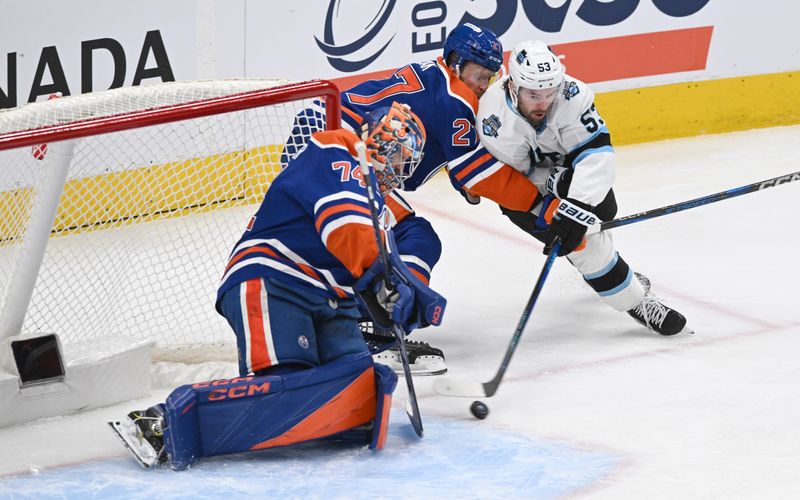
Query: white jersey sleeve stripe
[338, 196]
[324, 272]
[264, 261]
[484, 174]
[413, 259]
[341, 221]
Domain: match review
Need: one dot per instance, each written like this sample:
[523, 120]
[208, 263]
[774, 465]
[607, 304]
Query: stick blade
[414, 417]
[460, 388]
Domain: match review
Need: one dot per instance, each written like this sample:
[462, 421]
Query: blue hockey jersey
[447, 108]
[313, 229]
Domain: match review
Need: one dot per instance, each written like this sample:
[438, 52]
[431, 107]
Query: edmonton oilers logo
[352, 38]
[302, 340]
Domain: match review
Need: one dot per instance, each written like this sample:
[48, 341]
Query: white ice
[593, 406]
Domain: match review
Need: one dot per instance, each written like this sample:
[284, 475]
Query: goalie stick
[466, 388]
[412, 407]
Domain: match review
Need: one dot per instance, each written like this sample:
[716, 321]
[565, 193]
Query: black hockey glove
[571, 219]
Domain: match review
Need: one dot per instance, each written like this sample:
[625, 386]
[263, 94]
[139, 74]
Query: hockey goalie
[291, 293]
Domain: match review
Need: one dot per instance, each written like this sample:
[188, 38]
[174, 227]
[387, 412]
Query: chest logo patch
[491, 125]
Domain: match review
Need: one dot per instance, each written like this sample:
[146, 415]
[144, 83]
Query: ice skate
[657, 317]
[142, 432]
[644, 280]
[377, 339]
[423, 359]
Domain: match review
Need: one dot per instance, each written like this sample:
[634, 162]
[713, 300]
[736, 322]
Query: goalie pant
[254, 413]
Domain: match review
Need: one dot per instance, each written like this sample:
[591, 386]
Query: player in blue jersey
[312, 237]
[289, 294]
[444, 93]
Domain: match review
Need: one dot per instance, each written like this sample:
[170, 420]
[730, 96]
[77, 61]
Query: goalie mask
[394, 137]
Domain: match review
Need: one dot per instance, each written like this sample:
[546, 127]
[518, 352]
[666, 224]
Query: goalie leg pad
[386, 381]
[254, 413]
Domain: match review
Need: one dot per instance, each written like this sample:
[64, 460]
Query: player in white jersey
[544, 123]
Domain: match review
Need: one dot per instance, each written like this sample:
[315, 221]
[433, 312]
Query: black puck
[479, 410]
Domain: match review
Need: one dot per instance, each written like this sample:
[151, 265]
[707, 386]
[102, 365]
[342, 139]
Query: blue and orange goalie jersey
[447, 109]
[313, 229]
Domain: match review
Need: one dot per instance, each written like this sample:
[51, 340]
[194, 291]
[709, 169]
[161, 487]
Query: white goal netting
[148, 214]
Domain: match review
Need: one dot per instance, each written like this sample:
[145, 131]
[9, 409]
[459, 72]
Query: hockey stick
[697, 202]
[412, 407]
[455, 387]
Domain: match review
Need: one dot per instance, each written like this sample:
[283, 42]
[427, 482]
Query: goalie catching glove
[407, 302]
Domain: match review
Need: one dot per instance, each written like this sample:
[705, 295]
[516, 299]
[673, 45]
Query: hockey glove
[397, 302]
[379, 302]
[558, 181]
[410, 302]
[570, 220]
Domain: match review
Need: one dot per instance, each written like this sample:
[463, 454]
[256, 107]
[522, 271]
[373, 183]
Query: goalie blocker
[348, 399]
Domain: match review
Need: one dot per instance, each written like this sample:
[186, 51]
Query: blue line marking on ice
[456, 459]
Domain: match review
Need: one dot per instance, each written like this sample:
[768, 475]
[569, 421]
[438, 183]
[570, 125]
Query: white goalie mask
[532, 65]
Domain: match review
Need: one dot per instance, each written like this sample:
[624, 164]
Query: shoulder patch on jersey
[570, 90]
[491, 124]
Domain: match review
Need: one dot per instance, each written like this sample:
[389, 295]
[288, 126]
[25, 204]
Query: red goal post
[170, 113]
[158, 184]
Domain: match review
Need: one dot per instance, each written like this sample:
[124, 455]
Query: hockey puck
[479, 410]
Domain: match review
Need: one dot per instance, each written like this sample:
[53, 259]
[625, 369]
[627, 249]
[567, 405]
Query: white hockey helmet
[532, 65]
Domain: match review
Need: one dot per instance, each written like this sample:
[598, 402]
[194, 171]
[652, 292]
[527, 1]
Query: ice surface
[593, 406]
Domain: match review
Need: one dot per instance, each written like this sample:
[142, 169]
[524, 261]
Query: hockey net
[163, 181]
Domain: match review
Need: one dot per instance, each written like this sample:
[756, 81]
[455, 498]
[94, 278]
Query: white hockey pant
[607, 273]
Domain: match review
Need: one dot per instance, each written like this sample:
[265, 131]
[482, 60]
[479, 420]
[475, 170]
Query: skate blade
[685, 330]
[141, 450]
[423, 366]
